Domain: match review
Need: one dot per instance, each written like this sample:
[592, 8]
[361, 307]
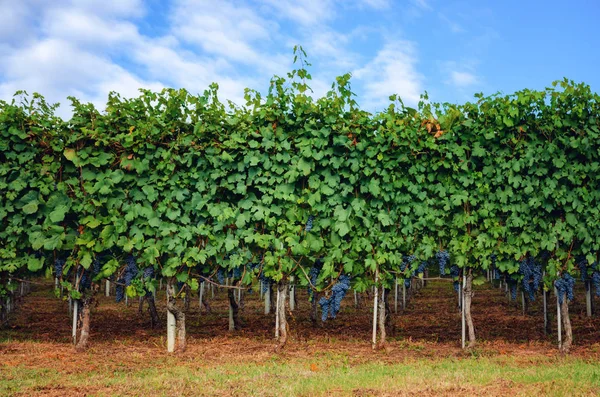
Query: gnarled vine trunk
[281, 332]
[314, 313]
[234, 318]
[388, 313]
[84, 332]
[381, 314]
[566, 323]
[186, 298]
[179, 317]
[468, 295]
[151, 308]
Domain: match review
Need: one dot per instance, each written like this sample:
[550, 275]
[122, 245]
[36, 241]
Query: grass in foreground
[323, 374]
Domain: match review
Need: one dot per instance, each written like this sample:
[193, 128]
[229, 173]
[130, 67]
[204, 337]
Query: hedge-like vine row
[190, 185]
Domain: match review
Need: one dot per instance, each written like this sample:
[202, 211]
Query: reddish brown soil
[430, 327]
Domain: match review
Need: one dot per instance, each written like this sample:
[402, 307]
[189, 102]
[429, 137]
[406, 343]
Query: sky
[447, 48]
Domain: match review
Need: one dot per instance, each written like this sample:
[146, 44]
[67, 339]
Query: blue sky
[451, 49]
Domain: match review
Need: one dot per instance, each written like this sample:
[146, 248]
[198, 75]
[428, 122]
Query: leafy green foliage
[192, 186]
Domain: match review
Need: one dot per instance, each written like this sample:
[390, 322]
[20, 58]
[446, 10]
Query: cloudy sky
[449, 48]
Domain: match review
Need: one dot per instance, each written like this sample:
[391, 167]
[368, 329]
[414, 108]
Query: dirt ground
[429, 328]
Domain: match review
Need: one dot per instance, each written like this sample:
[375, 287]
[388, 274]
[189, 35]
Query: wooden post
[107, 288]
[267, 296]
[292, 293]
[171, 325]
[462, 306]
[545, 311]
[558, 318]
[396, 295]
[200, 294]
[74, 333]
[376, 295]
[588, 298]
[277, 308]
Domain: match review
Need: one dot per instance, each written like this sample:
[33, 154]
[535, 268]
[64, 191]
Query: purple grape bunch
[443, 258]
[309, 223]
[564, 287]
[330, 307]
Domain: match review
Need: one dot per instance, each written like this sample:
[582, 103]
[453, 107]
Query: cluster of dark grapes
[58, 267]
[330, 307]
[443, 258]
[309, 223]
[119, 292]
[221, 276]
[96, 265]
[407, 260]
[313, 275]
[596, 281]
[86, 280]
[582, 264]
[324, 303]
[421, 268]
[455, 273]
[131, 271]
[532, 276]
[496, 273]
[148, 273]
[544, 256]
[512, 285]
[564, 286]
[266, 282]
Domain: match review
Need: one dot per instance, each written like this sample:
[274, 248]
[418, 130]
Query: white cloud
[86, 48]
[230, 31]
[120, 8]
[463, 79]
[305, 12]
[73, 47]
[392, 71]
[16, 20]
[85, 28]
[461, 74]
[182, 69]
[57, 69]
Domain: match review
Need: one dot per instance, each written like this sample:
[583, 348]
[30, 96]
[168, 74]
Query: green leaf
[58, 214]
[31, 207]
[35, 264]
[70, 154]
[86, 260]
